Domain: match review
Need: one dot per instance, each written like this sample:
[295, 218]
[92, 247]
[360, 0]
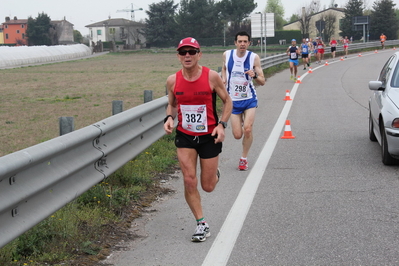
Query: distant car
[384, 111]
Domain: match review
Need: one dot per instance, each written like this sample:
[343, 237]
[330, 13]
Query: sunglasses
[190, 52]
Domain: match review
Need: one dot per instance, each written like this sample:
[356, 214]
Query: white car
[384, 111]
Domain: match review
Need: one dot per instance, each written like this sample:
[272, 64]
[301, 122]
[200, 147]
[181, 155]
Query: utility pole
[261, 33]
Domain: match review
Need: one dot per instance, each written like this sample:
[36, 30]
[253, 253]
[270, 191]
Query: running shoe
[201, 232]
[308, 64]
[295, 79]
[304, 68]
[292, 77]
[243, 166]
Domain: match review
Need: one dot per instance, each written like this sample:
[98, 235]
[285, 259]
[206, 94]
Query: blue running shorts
[294, 61]
[240, 106]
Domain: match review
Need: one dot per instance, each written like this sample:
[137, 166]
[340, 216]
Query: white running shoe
[201, 232]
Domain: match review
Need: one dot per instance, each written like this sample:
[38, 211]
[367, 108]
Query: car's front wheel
[387, 159]
[372, 136]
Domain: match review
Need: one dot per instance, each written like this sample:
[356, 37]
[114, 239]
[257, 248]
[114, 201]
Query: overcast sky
[85, 12]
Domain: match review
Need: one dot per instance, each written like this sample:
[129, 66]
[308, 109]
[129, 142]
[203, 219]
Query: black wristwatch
[256, 75]
[166, 118]
[224, 124]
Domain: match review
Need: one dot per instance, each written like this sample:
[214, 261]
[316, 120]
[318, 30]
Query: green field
[33, 98]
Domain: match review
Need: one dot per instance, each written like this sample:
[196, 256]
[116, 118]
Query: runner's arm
[224, 76]
[217, 85]
[171, 109]
[258, 68]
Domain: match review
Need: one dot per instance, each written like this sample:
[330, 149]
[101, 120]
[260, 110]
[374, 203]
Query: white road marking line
[223, 245]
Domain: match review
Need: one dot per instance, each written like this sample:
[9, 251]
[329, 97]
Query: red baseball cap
[189, 41]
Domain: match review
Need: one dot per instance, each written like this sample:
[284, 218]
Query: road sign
[262, 25]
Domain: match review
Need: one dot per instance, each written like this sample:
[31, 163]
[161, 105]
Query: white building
[118, 30]
[337, 12]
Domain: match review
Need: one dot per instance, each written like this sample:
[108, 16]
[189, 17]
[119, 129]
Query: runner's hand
[219, 133]
[168, 126]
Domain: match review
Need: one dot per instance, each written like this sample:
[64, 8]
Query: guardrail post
[66, 125]
[147, 96]
[117, 107]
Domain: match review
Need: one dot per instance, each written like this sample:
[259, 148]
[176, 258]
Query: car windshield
[386, 71]
[395, 77]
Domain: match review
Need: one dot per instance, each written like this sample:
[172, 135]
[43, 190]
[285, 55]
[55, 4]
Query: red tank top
[196, 104]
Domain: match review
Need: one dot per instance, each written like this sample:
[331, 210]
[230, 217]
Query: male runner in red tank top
[192, 98]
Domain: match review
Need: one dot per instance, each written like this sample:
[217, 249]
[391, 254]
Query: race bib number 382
[194, 118]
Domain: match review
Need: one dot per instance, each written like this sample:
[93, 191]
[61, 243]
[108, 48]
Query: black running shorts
[204, 145]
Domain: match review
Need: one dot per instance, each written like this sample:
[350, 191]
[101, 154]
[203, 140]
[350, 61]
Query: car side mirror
[375, 85]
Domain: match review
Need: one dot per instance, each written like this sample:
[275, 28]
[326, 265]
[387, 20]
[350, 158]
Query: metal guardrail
[37, 181]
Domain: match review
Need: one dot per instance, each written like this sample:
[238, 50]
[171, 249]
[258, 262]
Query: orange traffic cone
[375, 51]
[394, 48]
[310, 70]
[342, 58]
[360, 55]
[326, 64]
[287, 96]
[298, 80]
[287, 131]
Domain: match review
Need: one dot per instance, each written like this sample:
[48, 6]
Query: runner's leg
[249, 118]
[188, 164]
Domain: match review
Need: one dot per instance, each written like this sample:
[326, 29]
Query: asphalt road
[323, 198]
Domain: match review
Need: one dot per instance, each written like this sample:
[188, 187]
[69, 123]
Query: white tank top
[239, 85]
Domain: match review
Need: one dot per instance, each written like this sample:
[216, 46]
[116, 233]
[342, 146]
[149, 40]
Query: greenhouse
[32, 55]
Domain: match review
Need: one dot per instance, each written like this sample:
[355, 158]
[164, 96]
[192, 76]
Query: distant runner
[346, 42]
[305, 53]
[293, 53]
[333, 45]
[383, 38]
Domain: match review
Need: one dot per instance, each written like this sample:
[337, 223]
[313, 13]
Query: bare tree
[330, 20]
[305, 15]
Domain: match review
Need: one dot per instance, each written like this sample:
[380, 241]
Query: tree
[305, 15]
[276, 7]
[199, 19]
[353, 9]
[383, 20]
[38, 30]
[293, 18]
[160, 26]
[77, 36]
[330, 20]
[235, 11]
